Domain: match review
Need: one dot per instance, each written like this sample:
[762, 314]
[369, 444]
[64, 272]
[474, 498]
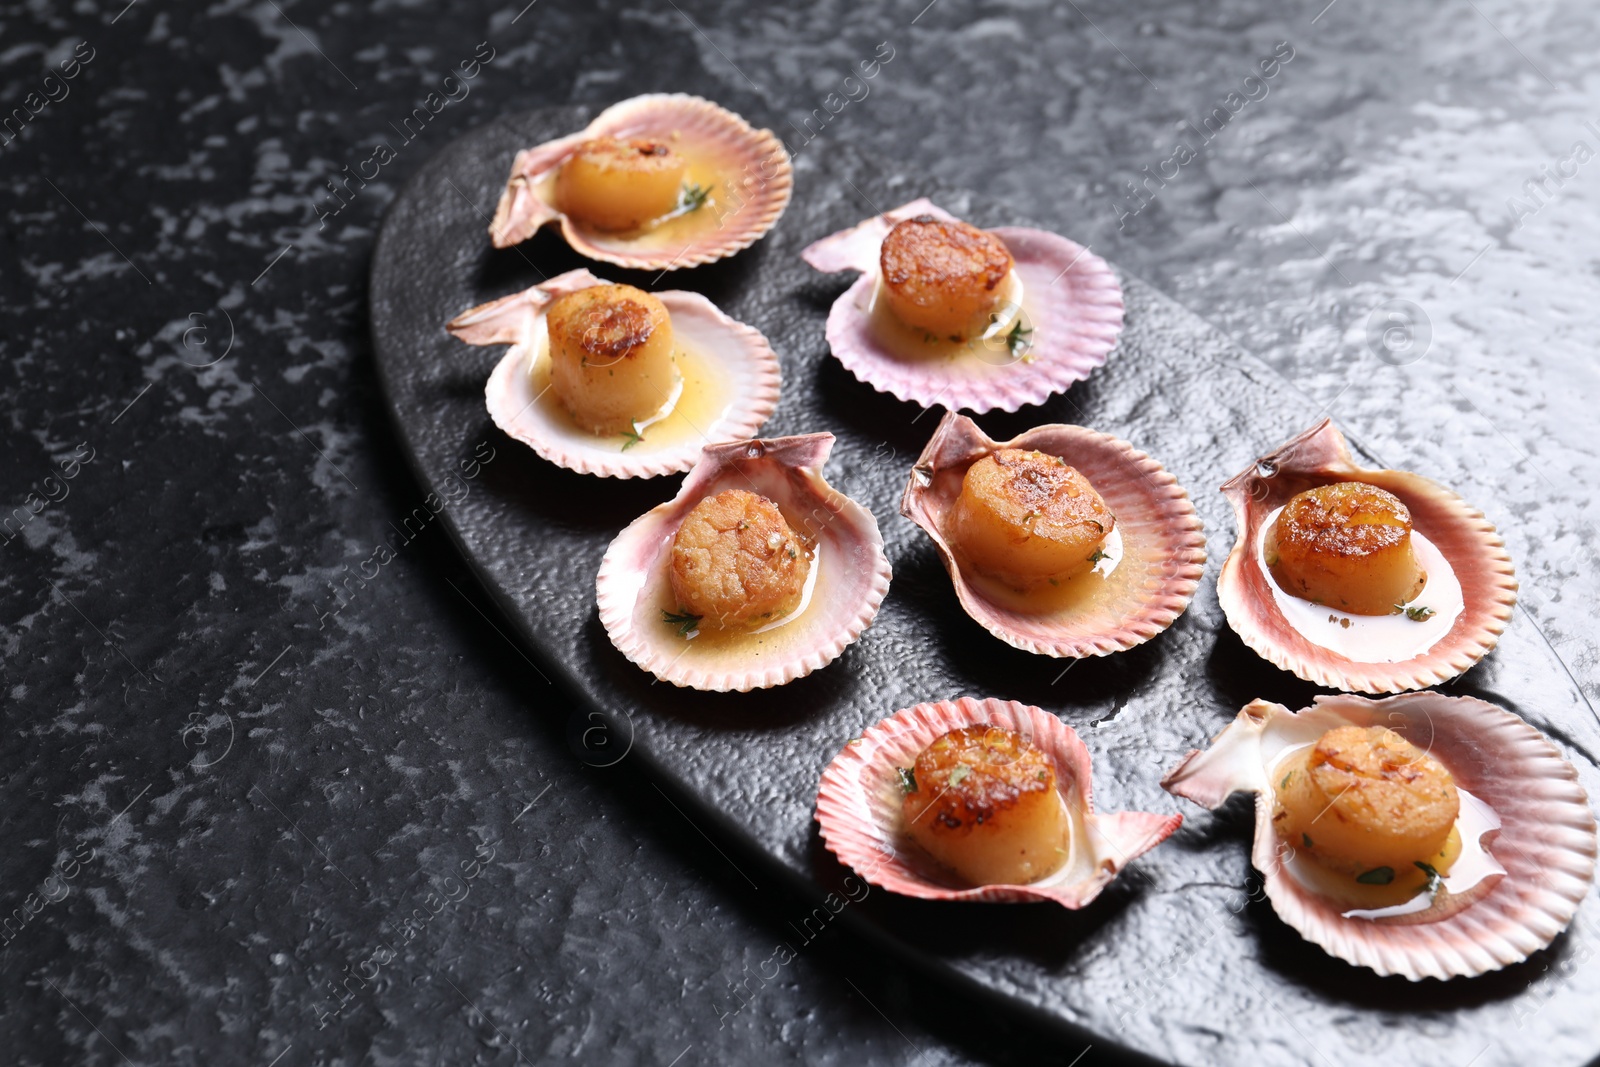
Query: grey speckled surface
[179, 580]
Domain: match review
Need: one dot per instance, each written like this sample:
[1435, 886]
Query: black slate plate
[1181, 959]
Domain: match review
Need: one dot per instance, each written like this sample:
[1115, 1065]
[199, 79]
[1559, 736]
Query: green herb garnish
[1376, 876]
[1307, 839]
[1285, 783]
[1420, 614]
[1435, 879]
[1018, 339]
[694, 197]
[631, 436]
[683, 622]
[1099, 554]
[908, 779]
[959, 775]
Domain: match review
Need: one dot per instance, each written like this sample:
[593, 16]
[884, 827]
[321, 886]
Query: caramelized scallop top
[925, 252]
[737, 561]
[1382, 782]
[1039, 492]
[973, 774]
[634, 154]
[606, 322]
[944, 277]
[1350, 519]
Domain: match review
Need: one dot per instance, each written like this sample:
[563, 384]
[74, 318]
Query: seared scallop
[611, 356]
[736, 561]
[1347, 546]
[1368, 803]
[1421, 835]
[943, 276]
[614, 184]
[983, 801]
[1027, 518]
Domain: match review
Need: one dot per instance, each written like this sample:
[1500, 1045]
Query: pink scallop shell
[1076, 306]
[748, 207]
[858, 807]
[744, 356]
[1467, 539]
[850, 558]
[1546, 840]
[1147, 501]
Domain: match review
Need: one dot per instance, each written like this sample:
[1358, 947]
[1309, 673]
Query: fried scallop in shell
[946, 313]
[1376, 581]
[1420, 835]
[1063, 541]
[610, 380]
[757, 573]
[982, 800]
[656, 182]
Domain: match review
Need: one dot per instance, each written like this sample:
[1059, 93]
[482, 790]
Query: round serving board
[1181, 959]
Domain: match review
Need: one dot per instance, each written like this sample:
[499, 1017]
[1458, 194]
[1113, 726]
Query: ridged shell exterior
[1546, 840]
[742, 355]
[757, 170]
[786, 470]
[858, 807]
[1075, 298]
[1147, 501]
[1467, 539]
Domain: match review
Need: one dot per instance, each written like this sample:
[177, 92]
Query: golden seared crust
[1038, 493]
[927, 258]
[1379, 780]
[737, 561]
[637, 154]
[605, 322]
[972, 775]
[1348, 519]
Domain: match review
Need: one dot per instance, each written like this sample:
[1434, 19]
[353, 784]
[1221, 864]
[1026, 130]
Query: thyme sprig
[694, 197]
[681, 621]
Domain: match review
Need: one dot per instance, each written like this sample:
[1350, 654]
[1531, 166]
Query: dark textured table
[254, 817]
